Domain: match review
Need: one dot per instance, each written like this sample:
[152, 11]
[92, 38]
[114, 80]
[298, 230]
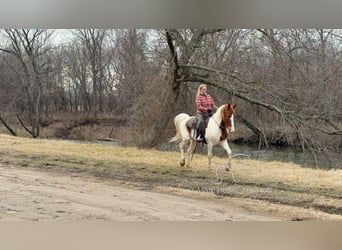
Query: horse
[219, 125]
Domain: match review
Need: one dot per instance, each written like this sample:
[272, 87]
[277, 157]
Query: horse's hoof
[182, 163]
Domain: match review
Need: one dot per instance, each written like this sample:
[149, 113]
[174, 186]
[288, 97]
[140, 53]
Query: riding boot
[198, 134]
[195, 133]
[199, 127]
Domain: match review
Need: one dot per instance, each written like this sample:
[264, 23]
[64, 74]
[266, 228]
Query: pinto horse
[219, 125]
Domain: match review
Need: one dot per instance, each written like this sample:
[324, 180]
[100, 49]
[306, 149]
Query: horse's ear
[234, 107]
[228, 106]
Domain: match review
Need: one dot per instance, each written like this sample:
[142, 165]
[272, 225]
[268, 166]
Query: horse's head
[227, 114]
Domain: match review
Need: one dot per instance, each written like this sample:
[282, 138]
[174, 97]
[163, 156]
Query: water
[283, 154]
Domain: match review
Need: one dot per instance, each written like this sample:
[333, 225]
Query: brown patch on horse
[226, 113]
[189, 130]
[224, 133]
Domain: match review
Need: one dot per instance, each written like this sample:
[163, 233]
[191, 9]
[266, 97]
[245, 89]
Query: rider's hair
[200, 88]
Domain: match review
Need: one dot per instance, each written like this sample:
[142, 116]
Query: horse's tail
[178, 120]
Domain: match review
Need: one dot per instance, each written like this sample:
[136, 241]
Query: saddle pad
[192, 122]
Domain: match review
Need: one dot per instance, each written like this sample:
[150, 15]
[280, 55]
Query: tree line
[287, 82]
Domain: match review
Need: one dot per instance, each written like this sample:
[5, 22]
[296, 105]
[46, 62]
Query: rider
[205, 106]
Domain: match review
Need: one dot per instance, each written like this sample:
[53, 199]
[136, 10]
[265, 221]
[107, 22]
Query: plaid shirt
[204, 102]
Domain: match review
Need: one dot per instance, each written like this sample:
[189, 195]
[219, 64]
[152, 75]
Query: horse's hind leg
[181, 146]
[190, 151]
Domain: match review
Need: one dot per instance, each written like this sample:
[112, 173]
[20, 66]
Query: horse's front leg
[226, 147]
[210, 153]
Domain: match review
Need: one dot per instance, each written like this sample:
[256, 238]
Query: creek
[283, 154]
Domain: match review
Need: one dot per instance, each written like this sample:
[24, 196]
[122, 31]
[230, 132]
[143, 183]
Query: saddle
[192, 124]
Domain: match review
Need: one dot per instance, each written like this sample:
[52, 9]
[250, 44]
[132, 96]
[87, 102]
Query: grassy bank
[280, 189]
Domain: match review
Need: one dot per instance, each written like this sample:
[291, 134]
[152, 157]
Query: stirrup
[199, 137]
[194, 134]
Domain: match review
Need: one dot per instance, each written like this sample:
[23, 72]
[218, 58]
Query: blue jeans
[200, 119]
[200, 127]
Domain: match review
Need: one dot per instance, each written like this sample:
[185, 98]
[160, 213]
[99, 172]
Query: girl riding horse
[205, 107]
[219, 125]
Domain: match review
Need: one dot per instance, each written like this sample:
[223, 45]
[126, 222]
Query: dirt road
[31, 195]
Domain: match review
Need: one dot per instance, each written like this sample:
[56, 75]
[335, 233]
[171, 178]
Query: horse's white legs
[226, 147]
[210, 152]
[181, 146]
[190, 151]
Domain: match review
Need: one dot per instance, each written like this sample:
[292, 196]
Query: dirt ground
[32, 195]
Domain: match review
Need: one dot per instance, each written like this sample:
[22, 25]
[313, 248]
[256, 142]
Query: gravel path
[31, 195]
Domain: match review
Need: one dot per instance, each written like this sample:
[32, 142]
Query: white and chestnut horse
[219, 125]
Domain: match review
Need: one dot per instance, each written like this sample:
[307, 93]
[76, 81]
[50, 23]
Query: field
[278, 190]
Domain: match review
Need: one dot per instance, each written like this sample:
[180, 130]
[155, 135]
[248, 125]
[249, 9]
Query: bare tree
[182, 46]
[29, 46]
[286, 82]
[94, 39]
[130, 67]
[76, 69]
[257, 89]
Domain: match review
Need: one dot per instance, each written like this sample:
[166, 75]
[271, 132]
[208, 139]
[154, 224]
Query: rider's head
[202, 89]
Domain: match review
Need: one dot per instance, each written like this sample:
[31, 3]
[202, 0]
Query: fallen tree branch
[7, 126]
[23, 125]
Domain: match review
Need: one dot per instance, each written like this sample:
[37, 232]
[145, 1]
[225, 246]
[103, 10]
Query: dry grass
[259, 206]
[289, 174]
[60, 148]
[75, 126]
[281, 189]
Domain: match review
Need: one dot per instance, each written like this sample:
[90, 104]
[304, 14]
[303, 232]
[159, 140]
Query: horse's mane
[218, 114]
